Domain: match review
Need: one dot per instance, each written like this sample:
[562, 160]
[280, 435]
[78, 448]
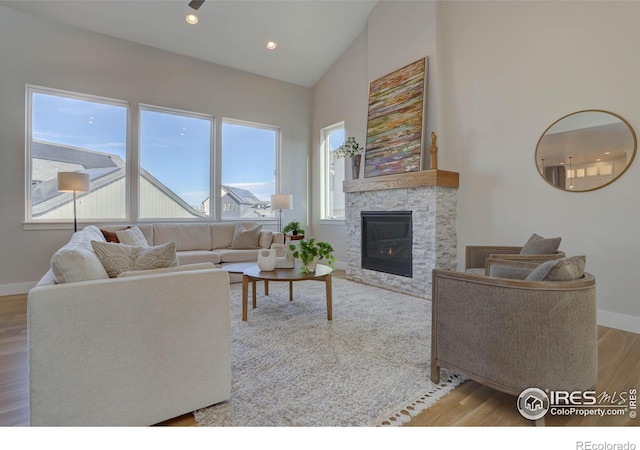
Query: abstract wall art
[395, 122]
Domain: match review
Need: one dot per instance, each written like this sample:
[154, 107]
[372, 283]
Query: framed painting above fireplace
[395, 122]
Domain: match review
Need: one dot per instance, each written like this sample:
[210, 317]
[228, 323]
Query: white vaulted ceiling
[311, 34]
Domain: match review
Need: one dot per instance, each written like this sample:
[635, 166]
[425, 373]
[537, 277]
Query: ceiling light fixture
[191, 19]
[271, 45]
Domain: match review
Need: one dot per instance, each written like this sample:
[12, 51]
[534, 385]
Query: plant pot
[355, 167]
[310, 266]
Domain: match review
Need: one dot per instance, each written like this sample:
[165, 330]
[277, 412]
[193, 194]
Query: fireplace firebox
[387, 242]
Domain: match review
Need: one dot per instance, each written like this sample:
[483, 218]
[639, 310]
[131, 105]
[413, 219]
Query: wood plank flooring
[471, 404]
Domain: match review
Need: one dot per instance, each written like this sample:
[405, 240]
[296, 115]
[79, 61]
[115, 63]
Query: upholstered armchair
[511, 334]
[537, 250]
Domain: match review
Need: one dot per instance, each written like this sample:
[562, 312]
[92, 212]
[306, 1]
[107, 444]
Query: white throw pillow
[132, 236]
[118, 258]
[246, 238]
[76, 261]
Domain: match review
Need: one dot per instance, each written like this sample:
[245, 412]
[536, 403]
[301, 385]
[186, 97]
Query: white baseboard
[16, 288]
[619, 321]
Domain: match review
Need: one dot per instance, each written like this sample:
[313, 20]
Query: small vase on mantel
[356, 160]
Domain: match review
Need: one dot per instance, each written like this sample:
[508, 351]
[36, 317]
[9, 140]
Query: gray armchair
[512, 334]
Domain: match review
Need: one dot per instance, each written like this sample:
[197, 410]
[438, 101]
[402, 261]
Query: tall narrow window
[249, 161]
[333, 173]
[175, 164]
[71, 132]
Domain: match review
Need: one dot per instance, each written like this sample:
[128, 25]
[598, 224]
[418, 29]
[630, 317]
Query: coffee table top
[287, 274]
[239, 267]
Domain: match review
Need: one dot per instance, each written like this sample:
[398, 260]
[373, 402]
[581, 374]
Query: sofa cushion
[237, 255]
[76, 260]
[507, 271]
[246, 238]
[564, 269]
[198, 256]
[137, 273]
[537, 245]
[187, 236]
[132, 236]
[118, 258]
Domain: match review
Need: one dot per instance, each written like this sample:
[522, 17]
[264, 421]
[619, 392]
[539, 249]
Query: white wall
[42, 52]
[504, 71]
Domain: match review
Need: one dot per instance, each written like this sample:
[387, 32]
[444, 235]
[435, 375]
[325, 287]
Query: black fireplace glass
[387, 242]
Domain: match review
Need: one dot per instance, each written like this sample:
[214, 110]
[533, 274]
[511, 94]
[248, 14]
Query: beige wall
[501, 73]
[45, 53]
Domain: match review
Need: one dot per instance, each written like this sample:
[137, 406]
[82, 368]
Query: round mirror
[585, 150]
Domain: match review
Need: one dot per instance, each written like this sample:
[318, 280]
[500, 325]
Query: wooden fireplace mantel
[432, 177]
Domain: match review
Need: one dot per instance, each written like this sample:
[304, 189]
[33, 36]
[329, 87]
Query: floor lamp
[73, 182]
[280, 202]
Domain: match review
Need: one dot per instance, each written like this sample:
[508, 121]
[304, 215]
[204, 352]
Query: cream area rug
[369, 366]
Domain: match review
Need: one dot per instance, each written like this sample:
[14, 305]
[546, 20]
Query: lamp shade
[281, 201]
[73, 181]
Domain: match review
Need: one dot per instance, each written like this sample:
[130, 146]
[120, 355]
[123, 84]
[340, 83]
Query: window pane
[77, 133]
[334, 205]
[249, 156]
[175, 155]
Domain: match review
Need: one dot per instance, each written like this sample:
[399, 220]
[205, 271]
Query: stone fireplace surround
[431, 195]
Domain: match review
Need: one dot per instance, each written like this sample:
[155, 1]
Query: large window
[249, 161]
[70, 132]
[333, 204]
[175, 164]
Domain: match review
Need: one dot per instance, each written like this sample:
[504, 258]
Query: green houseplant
[310, 251]
[294, 227]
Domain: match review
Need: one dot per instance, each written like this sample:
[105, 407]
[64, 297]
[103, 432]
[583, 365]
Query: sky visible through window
[176, 144]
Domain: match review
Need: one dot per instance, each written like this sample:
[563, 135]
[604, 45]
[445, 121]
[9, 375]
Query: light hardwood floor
[471, 404]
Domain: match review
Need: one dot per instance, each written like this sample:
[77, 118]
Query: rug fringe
[451, 381]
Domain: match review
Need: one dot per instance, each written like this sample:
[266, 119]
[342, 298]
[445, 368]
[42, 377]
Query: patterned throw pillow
[537, 245]
[246, 238]
[132, 236]
[118, 258]
[564, 269]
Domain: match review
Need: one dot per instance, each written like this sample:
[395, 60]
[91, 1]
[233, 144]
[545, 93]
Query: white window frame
[278, 159]
[325, 177]
[180, 112]
[32, 89]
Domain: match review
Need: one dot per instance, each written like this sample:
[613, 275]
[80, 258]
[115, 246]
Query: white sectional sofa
[138, 349]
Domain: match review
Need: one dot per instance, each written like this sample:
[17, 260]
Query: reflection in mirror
[585, 150]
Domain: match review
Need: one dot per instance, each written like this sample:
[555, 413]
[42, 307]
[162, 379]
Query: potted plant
[294, 227]
[352, 149]
[310, 251]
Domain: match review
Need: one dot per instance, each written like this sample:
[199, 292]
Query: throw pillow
[564, 269]
[537, 245]
[132, 236]
[111, 236]
[265, 239]
[246, 238]
[118, 258]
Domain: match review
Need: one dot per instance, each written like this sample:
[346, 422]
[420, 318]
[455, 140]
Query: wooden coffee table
[253, 274]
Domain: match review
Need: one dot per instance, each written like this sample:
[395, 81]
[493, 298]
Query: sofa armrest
[129, 351]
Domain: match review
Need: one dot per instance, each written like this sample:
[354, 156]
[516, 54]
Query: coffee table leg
[290, 291]
[327, 281]
[253, 289]
[266, 287]
[245, 289]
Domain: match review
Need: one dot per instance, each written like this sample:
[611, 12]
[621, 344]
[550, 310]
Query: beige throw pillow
[132, 236]
[118, 258]
[246, 238]
[564, 269]
[537, 245]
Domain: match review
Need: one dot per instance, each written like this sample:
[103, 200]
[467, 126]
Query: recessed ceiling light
[191, 19]
[271, 45]
[607, 153]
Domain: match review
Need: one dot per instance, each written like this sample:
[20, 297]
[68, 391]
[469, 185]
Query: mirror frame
[633, 155]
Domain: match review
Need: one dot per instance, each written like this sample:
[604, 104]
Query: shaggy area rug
[369, 366]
